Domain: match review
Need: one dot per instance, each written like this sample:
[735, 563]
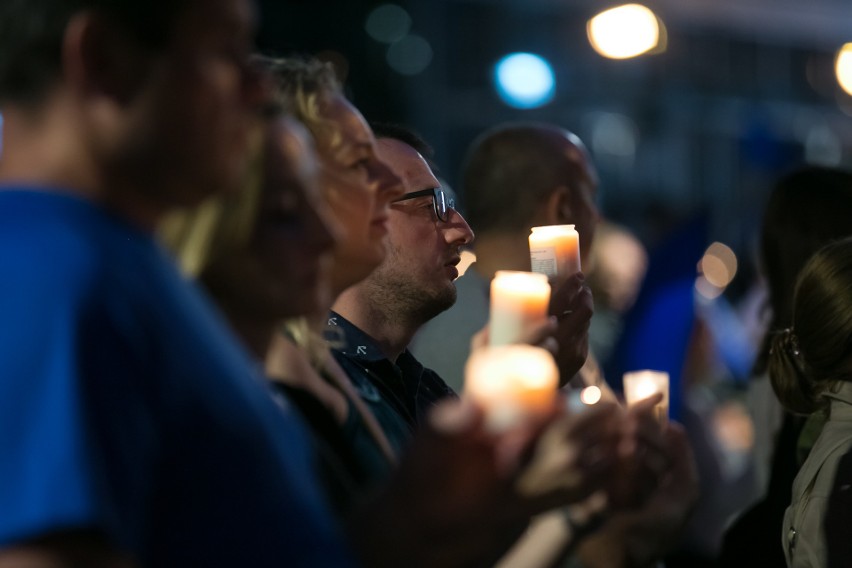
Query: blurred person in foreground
[133, 429]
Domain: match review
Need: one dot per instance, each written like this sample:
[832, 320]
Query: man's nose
[456, 229]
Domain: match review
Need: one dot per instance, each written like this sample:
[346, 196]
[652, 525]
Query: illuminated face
[358, 188]
[423, 252]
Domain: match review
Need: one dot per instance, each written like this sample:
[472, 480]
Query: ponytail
[791, 383]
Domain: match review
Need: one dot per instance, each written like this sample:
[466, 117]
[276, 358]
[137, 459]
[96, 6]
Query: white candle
[511, 383]
[639, 385]
[519, 300]
[555, 250]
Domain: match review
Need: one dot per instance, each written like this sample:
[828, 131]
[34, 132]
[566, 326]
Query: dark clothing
[343, 475]
[408, 387]
[753, 539]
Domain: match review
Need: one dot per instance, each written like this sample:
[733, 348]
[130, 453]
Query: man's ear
[100, 59]
[557, 207]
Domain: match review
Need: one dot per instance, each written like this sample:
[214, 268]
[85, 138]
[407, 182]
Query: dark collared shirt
[407, 386]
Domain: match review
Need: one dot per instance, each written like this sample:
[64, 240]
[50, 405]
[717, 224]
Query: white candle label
[543, 260]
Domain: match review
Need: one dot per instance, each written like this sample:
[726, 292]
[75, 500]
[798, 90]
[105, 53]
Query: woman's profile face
[357, 186]
[293, 234]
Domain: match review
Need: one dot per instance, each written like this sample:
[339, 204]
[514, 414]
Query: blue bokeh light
[524, 80]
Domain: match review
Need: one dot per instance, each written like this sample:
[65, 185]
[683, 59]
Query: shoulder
[52, 245]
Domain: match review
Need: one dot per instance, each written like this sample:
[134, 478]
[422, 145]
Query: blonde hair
[221, 225]
[301, 85]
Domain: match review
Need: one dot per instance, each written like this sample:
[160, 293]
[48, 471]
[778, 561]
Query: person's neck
[255, 334]
[501, 251]
[391, 334]
[40, 150]
[46, 152]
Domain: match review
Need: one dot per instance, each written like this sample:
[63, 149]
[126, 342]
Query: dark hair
[510, 170]
[810, 358]
[808, 208]
[405, 135]
[32, 32]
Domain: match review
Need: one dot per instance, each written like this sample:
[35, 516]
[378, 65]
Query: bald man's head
[512, 170]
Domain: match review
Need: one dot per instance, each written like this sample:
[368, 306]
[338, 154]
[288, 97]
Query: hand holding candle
[555, 250]
[639, 385]
[519, 300]
[511, 383]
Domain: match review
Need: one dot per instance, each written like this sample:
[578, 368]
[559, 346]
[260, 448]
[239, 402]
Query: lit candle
[639, 385]
[518, 300]
[555, 250]
[511, 383]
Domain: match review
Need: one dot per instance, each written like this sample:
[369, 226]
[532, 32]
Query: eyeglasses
[442, 201]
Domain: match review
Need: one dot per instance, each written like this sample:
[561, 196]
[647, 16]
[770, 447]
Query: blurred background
[733, 92]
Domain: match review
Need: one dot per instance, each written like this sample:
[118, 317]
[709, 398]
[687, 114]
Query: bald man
[516, 177]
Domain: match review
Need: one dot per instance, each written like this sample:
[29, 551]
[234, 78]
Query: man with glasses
[381, 314]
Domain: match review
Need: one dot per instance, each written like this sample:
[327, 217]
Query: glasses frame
[442, 202]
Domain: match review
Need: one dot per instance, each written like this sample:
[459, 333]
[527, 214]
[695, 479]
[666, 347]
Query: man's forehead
[407, 164]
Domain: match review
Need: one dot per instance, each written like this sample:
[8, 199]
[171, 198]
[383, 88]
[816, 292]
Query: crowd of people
[216, 274]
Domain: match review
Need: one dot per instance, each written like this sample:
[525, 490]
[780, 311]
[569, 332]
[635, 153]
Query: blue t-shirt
[127, 407]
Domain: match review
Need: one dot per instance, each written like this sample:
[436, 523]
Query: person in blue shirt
[133, 429]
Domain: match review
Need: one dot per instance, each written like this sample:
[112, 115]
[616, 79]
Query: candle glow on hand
[519, 300]
[511, 383]
[639, 385]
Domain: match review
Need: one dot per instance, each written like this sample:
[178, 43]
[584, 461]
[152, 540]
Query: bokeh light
[614, 134]
[719, 265]
[591, 395]
[525, 80]
[388, 23]
[707, 290]
[843, 67]
[717, 269]
[624, 31]
[410, 55]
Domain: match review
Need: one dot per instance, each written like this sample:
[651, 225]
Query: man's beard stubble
[401, 299]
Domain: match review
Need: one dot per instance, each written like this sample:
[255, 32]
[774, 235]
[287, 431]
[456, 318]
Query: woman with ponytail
[810, 365]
